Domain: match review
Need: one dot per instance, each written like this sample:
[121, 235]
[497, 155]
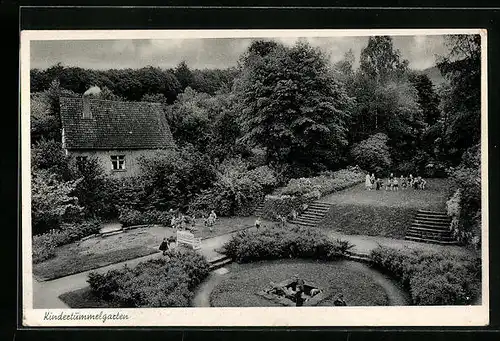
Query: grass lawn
[101, 251]
[245, 280]
[84, 298]
[433, 197]
[382, 213]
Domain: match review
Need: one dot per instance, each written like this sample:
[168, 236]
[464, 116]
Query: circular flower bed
[359, 285]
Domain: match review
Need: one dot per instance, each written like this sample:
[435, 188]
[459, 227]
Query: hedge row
[162, 282]
[432, 278]
[44, 245]
[131, 217]
[275, 242]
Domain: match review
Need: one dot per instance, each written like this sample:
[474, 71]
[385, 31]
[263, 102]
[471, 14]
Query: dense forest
[283, 112]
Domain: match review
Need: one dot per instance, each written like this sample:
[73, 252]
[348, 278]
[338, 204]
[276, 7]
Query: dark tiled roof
[114, 125]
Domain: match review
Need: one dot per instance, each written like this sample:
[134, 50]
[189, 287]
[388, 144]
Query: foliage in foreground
[44, 245]
[162, 282]
[276, 242]
[432, 278]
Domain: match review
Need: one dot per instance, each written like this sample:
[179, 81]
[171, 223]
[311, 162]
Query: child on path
[164, 246]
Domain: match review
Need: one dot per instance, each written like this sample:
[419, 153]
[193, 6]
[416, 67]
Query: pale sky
[420, 51]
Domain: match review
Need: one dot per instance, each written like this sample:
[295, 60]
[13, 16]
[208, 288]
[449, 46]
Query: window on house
[118, 162]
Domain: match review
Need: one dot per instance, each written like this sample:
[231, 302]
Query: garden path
[45, 294]
[363, 245]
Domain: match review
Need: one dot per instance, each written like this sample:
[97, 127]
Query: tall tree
[462, 105]
[428, 99]
[386, 101]
[184, 75]
[380, 61]
[294, 106]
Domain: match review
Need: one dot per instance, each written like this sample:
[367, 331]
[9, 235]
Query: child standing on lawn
[372, 181]
[368, 183]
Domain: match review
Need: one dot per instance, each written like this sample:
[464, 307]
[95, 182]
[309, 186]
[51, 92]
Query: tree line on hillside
[289, 109]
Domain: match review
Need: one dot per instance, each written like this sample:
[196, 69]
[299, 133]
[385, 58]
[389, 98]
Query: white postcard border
[296, 316]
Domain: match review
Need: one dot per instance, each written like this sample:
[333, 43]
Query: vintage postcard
[254, 178]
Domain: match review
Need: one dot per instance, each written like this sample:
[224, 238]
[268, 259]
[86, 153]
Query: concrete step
[432, 217]
[430, 222]
[220, 262]
[312, 215]
[431, 241]
[433, 213]
[430, 235]
[306, 221]
[303, 223]
[425, 229]
[431, 226]
[319, 205]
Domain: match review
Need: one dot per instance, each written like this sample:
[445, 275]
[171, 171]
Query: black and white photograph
[293, 177]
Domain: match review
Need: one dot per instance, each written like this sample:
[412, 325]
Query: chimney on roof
[91, 92]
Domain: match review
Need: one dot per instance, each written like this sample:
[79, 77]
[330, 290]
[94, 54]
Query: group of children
[185, 222]
[393, 183]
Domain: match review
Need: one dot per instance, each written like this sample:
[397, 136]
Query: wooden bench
[185, 237]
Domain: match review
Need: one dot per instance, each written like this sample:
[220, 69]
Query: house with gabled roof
[117, 133]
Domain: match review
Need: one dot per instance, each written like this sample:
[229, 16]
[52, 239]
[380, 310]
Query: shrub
[432, 278]
[237, 190]
[283, 205]
[44, 245]
[305, 190]
[283, 242]
[373, 153]
[131, 217]
[467, 178]
[91, 191]
[52, 201]
[173, 178]
[163, 282]
[126, 193]
[49, 155]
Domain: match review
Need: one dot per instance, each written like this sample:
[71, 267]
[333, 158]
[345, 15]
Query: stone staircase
[258, 210]
[314, 213]
[219, 262]
[431, 227]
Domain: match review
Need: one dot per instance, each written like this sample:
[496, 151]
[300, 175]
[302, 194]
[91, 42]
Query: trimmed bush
[44, 245]
[284, 242]
[163, 282]
[432, 278]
